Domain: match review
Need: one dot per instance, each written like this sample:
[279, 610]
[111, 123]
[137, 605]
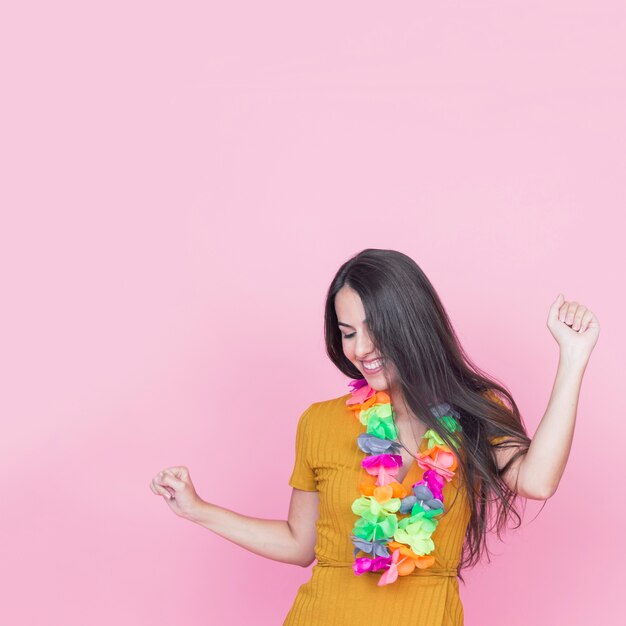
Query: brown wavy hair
[410, 328]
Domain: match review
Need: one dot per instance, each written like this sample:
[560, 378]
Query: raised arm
[539, 471]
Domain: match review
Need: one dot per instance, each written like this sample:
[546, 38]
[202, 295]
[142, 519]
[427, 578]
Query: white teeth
[373, 366]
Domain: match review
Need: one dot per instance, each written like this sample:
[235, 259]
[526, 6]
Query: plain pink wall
[181, 182]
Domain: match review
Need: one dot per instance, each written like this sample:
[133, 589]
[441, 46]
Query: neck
[401, 411]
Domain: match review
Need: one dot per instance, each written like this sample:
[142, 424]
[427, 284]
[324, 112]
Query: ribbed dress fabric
[328, 460]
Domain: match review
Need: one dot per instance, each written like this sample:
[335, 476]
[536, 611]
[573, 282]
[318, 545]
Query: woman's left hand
[574, 326]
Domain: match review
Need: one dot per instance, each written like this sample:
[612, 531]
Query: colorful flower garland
[379, 530]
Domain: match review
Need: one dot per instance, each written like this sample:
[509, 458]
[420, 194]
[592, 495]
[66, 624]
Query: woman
[394, 481]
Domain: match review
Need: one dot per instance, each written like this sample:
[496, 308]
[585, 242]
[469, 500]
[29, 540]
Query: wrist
[196, 511]
[573, 359]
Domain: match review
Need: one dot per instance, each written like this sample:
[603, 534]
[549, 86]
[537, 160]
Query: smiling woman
[409, 531]
[394, 482]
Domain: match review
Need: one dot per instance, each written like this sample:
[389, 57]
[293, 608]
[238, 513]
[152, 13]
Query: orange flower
[409, 560]
[439, 458]
[368, 487]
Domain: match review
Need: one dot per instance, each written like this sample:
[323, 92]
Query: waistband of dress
[429, 571]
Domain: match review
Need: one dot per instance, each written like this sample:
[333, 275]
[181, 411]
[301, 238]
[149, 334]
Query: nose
[364, 346]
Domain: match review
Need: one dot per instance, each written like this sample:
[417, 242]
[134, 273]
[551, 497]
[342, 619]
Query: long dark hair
[411, 329]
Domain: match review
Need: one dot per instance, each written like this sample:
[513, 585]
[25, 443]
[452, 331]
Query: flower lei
[397, 546]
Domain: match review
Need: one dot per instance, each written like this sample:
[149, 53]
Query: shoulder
[494, 397]
[329, 407]
[331, 404]
[326, 412]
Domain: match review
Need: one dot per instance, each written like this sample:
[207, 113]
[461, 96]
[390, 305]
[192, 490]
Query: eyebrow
[348, 325]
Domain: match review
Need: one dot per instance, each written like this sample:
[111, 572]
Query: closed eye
[348, 336]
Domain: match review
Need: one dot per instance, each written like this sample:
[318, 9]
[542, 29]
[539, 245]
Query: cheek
[348, 351]
[391, 373]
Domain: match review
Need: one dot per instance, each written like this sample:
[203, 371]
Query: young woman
[394, 481]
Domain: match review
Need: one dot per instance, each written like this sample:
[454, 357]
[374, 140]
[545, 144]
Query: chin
[376, 381]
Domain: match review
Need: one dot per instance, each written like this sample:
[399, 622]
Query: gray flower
[444, 408]
[375, 445]
[375, 548]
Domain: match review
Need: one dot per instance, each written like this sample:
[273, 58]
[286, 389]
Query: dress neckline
[413, 466]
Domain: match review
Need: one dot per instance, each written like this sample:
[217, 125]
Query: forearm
[545, 461]
[272, 539]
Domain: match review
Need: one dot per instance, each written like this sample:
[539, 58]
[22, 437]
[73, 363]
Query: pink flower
[365, 564]
[383, 466]
[391, 575]
[361, 394]
[434, 482]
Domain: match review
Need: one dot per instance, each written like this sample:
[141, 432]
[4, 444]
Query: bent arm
[289, 541]
[542, 467]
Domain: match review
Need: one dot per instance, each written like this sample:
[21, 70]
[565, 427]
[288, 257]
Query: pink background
[181, 182]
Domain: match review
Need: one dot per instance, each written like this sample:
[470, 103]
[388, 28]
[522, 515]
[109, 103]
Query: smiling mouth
[373, 366]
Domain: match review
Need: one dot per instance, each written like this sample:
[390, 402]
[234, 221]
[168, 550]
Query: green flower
[382, 528]
[371, 509]
[450, 424]
[379, 420]
[433, 438]
[416, 532]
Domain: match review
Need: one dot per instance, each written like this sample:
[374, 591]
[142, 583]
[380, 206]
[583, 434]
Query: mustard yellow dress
[328, 460]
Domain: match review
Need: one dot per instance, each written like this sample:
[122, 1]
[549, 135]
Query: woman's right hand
[174, 484]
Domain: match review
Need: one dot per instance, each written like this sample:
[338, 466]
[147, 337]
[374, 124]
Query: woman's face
[356, 342]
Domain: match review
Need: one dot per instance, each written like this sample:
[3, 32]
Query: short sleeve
[303, 474]
[496, 440]
[491, 395]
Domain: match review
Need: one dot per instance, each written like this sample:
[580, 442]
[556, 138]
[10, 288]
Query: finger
[179, 471]
[171, 481]
[160, 491]
[166, 493]
[580, 311]
[585, 320]
[571, 310]
[159, 488]
[565, 311]
[556, 305]
[156, 488]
